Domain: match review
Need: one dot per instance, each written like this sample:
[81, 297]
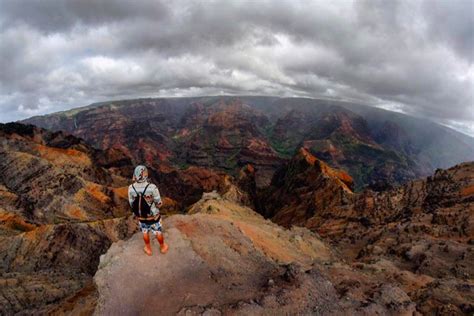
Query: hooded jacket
[152, 195]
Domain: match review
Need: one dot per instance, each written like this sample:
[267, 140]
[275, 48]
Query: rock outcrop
[226, 259]
[60, 208]
[419, 234]
[227, 136]
[53, 178]
[304, 188]
[43, 267]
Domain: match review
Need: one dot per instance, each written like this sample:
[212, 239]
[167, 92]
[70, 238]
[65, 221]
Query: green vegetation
[283, 149]
[183, 165]
[267, 131]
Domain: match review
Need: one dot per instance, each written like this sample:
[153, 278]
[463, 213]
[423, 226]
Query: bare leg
[146, 239]
[161, 240]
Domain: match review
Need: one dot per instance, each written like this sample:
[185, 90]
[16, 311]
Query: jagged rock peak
[342, 177]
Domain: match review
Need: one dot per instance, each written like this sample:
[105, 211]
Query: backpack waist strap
[150, 218]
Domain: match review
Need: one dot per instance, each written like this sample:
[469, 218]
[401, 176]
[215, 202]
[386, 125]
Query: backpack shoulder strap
[145, 189]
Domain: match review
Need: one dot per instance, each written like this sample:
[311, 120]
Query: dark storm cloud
[412, 56]
[58, 16]
[452, 23]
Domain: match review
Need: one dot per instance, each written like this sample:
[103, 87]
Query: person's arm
[131, 197]
[157, 197]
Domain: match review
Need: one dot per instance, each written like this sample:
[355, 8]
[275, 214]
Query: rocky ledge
[226, 259]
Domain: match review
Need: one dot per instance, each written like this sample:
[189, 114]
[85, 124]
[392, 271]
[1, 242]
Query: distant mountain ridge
[376, 147]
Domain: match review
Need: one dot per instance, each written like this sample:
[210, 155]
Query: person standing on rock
[145, 200]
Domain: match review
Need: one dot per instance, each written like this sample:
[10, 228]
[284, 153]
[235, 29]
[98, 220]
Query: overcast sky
[410, 56]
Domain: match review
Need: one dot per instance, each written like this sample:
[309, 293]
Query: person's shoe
[164, 248]
[147, 250]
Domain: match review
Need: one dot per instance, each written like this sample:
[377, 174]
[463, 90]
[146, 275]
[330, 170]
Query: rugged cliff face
[306, 186]
[227, 135]
[42, 267]
[379, 149]
[344, 140]
[424, 227]
[59, 210]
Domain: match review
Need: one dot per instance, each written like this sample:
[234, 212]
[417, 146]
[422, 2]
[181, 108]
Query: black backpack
[140, 206]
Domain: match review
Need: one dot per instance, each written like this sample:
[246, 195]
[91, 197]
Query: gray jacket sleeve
[156, 195]
[131, 195]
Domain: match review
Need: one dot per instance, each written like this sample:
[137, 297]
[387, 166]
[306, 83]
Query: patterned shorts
[153, 227]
